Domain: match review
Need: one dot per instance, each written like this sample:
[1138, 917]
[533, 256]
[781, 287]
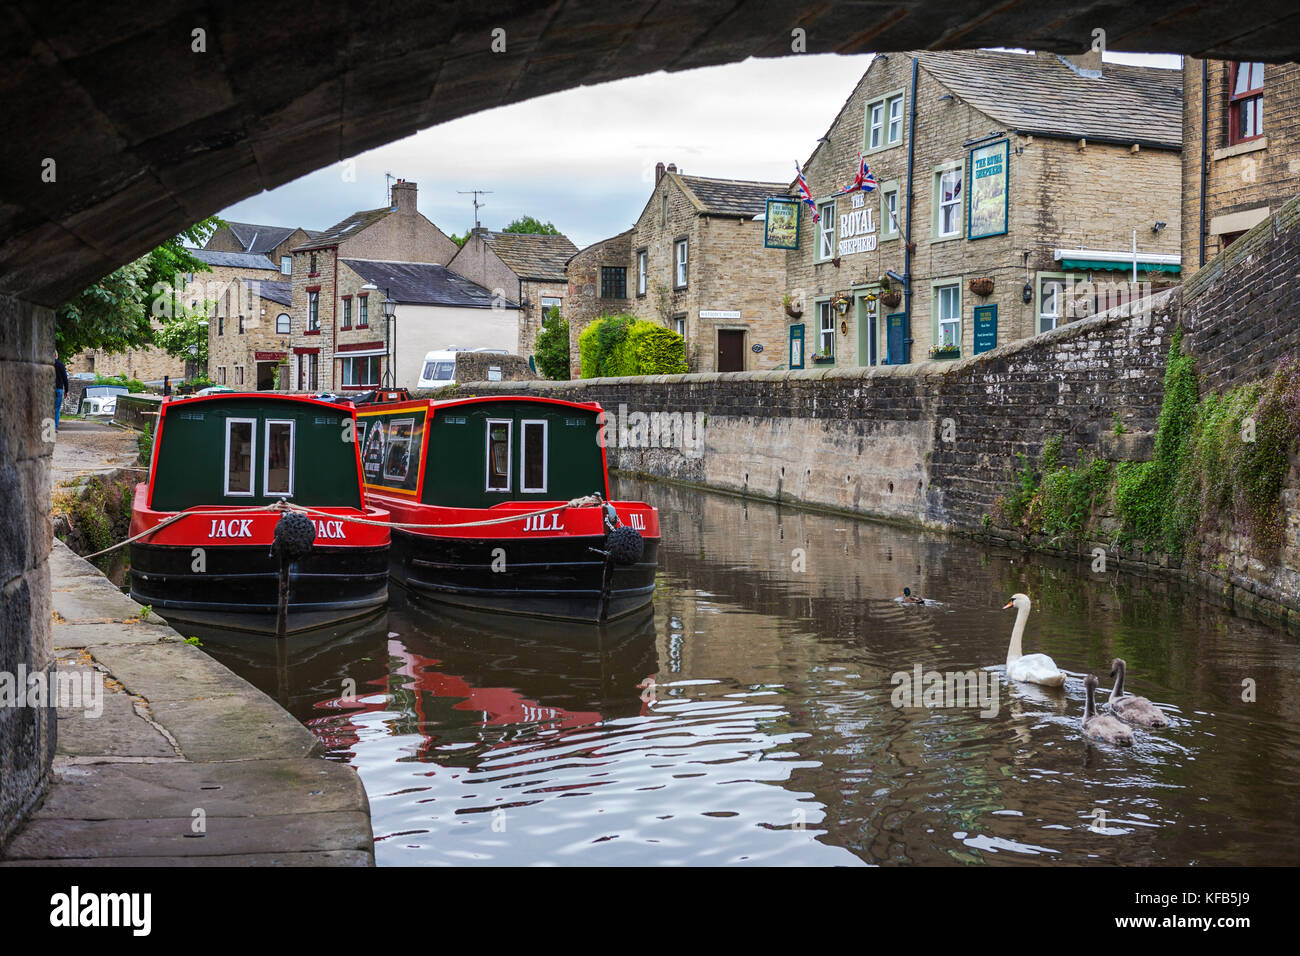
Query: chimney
[672, 167]
[404, 197]
[659, 171]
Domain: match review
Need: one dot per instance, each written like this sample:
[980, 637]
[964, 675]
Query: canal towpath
[175, 760]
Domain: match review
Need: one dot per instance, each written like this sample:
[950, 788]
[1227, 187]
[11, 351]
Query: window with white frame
[313, 311]
[640, 271]
[286, 265]
[679, 260]
[498, 454]
[679, 323]
[948, 200]
[277, 469]
[1050, 301]
[239, 375]
[282, 324]
[551, 302]
[884, 123]
[240, 457]
[825, 330]
[532, 436]
[947, 307]
[889, 227]
[826, 231]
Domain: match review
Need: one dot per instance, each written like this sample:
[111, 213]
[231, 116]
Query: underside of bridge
[152, 125]
[125, 123]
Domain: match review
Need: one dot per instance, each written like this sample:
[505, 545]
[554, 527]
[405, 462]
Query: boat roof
[172, 400]
[440, 403]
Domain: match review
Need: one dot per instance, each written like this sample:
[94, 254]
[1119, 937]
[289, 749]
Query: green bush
[625, 345]
[144, 443]
[552, 348]
[132, 385]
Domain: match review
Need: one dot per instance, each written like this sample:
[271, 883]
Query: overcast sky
[584, 159]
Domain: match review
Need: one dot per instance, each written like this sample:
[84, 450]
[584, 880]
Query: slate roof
[732, 197]
[281, 292]
[1043, 94]
[241, 260]
[346, 229]
[257, 238]
[423, 283]
[532, 255]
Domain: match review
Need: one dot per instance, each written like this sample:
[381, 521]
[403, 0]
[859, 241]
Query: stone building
[597, 286]
[274, 242]
[1036, 181]
[248, 335]
[1241, 150]
[527, 268]
[700, 268]
[435, 309]
[395, 233]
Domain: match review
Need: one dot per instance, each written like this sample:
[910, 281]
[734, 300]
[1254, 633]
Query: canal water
[752, 717]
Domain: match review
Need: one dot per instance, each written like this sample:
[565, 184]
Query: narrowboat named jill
[509, 499]
[220, 466]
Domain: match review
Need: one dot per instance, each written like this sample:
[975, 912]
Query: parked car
[101, 400]
[214, 390]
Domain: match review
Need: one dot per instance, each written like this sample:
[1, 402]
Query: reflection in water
[749, 718]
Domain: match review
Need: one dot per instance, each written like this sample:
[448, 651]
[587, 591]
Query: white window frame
[313, 311]
[641, 271]
[266, 459]
[939, 320]
[390, 441]
[826, 231]
[523, 451]
[889, 226]
[1058, 294]
[557, 302]
[824, 330]
[252, 460]
[288, 324]
[680, 323]
[939, 204]
[286, 261]
[881, 128]
[681, 253]
[487, 455]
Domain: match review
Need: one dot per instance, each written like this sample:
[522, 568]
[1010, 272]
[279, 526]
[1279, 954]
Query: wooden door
[731, 350]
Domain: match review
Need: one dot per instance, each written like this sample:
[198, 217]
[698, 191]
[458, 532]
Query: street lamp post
[390, 333]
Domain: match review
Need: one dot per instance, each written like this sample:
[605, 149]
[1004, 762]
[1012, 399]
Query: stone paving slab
[178, 731]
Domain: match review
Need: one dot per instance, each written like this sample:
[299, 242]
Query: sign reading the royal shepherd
[988, 191]
[857, 227]
[781, 227]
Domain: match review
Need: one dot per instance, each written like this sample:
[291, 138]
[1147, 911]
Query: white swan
[1029, 668]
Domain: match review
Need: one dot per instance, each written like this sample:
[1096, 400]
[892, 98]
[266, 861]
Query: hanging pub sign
[987, 214]
[857, 226]
[986, 328]
[781, 226]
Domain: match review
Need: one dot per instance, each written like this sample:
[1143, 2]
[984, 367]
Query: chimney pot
[659, 171]
[672, 167]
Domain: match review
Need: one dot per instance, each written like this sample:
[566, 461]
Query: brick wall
[1241, 179]
[27, 734]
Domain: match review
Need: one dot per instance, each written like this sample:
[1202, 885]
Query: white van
[440, 366]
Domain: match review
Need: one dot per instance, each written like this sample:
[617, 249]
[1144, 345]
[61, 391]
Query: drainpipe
[907, 241]
[1205, 113]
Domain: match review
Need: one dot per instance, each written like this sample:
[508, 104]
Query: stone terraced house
[1036, 181]
[1241, 150]
[248, 347]
[527, 268]
[325, 316]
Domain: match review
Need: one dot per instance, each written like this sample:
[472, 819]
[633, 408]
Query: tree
[459, 238]
[532, 226]
[552, 348]
[115, 313]
[185, 336]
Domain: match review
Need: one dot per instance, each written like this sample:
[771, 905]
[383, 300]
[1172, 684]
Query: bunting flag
[806, 193]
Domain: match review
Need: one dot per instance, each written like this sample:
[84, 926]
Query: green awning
[1119, 265]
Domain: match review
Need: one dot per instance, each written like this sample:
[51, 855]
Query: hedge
[621, 345]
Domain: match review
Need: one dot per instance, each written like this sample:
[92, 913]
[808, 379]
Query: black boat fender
[625, 545]
[294, 536]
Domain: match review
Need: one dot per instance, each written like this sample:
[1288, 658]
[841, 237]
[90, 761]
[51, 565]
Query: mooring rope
[587, 501]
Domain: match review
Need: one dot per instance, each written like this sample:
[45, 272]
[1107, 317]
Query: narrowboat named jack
[220, 465]
[502, 504]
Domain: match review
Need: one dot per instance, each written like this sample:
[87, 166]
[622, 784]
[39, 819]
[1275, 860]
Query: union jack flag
[806, 193]
[864, 179]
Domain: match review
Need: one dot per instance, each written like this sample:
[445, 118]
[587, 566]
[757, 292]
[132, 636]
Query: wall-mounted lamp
[1158, 226]
[1027, 293]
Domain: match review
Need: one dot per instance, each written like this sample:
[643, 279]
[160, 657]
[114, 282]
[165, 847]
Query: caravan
[439, 367]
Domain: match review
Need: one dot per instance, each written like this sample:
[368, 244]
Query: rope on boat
[587, 501]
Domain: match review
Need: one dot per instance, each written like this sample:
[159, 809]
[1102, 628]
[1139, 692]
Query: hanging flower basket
[982, 287]
[945, 352]
[891, 297]
[791, 309]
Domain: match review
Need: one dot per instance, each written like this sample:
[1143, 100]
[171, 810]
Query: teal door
[896, 338]
[796, 346]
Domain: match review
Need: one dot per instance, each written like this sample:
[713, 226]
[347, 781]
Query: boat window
[277, 476]
[239, 456]
[534, 451]
[498, 455]
[397, 465]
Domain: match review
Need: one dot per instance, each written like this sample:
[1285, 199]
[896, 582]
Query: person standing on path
[60, 388]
